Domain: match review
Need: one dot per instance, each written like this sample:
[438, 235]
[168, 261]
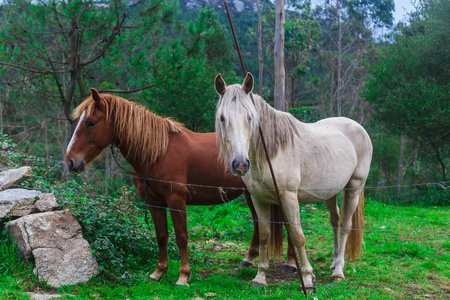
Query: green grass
[397, 263]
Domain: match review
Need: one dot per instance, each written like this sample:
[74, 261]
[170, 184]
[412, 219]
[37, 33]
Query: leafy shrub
[433, 195]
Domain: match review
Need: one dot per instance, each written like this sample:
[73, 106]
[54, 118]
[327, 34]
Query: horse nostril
[71, 164]
[246, 164]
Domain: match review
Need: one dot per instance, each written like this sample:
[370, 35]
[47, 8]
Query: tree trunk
[400, 162]
[260, 56]
[439, 159]
[279, 56]
[74, 71]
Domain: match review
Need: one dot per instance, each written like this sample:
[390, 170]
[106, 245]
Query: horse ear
[220, 85]
[247, 86]
[95, 95]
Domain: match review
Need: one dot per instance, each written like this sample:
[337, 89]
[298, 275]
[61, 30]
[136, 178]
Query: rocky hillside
[234, 5]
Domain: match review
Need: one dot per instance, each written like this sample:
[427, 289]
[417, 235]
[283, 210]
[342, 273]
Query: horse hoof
[337, 278]
[246, 264]
[256, 285]
[289, 270]
[310, 290]
[179, 285]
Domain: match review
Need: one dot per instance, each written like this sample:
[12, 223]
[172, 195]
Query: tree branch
[115, 32]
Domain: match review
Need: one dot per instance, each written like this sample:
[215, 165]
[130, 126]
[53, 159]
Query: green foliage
[410, 89]
[435, 195]
[303, 114]
[185, 70]
[11, 262]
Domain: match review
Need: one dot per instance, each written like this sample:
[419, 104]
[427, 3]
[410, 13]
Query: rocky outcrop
[234, 5]
[13, 177]
[55, 242]
[17, 202]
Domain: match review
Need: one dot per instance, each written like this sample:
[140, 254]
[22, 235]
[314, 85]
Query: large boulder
[17, 202]
[54, 240]
[13, 177]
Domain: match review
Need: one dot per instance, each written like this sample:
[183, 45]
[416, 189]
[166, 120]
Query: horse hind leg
[334, 221]
[253, 251]
[351, 225]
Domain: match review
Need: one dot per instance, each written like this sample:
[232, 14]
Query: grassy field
[398, 262]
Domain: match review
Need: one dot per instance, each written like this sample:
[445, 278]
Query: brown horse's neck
[141, 135]
[151, 144]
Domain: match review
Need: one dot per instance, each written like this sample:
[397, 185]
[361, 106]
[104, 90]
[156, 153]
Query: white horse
[311, 162]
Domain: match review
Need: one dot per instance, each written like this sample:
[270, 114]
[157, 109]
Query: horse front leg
[334, 221]
[292, 210]
[263, 213]
[253, 251]
[159, 216]
[177, 205]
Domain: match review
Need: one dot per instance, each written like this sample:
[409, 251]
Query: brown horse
[158, 148]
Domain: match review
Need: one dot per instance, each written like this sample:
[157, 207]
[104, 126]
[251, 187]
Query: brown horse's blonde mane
[145, 133]
[279, 128]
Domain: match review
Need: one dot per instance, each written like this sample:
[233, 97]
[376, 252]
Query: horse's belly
[315, 196]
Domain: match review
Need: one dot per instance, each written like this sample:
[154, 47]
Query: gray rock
[17, 202]
[54, 240]
[47, 202]
[36, 296]
[13, 177]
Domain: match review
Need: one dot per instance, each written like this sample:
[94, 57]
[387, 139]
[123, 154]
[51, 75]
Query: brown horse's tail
[276, 230]
[354, 241]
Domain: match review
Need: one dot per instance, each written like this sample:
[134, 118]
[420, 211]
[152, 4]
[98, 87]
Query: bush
[432, 195]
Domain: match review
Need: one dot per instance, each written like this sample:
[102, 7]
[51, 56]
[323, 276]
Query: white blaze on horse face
[72, 140]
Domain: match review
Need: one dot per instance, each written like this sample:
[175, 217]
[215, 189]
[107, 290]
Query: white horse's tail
[354, 241]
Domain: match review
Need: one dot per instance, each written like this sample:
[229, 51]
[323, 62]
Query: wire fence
[442, 184]
[384, 230]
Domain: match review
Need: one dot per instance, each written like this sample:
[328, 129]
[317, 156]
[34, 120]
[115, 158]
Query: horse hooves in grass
[246, 264]
[256, 285]
[336, 278]
[310, 290]
[177, 285]
[289, 270]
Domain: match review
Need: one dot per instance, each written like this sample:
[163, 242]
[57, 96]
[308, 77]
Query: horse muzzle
[240, 167]
[76, 167]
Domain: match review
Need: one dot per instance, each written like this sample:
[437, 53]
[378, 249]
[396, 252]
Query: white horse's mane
[279, 128]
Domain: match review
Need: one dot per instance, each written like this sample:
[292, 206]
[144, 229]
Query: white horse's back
[330, 153]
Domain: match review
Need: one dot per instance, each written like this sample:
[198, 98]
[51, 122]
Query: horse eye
[222, 118]
[91, 124]
[249, 118]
